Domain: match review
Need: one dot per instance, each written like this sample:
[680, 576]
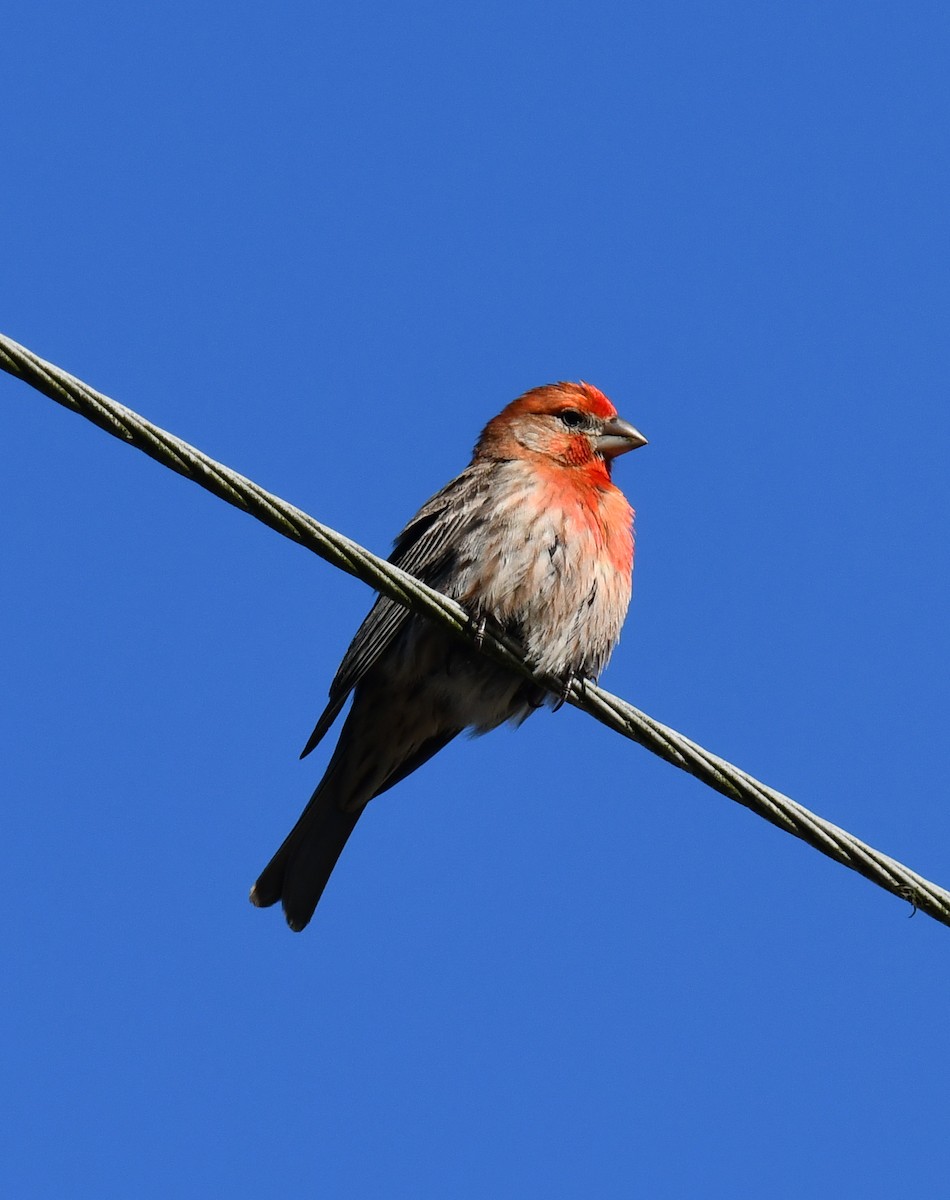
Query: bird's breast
[553, 562]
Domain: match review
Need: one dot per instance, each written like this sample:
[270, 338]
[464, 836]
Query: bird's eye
[572, 418]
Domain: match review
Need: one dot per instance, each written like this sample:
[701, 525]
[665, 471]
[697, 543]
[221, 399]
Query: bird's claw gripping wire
[479, 625]
[564, 695]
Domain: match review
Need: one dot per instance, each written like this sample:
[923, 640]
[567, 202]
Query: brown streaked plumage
[534, 535]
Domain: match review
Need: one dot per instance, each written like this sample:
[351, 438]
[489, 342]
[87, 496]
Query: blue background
[326, 244]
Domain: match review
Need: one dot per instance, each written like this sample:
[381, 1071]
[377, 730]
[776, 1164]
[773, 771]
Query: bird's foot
[570, 679]
[478, 627]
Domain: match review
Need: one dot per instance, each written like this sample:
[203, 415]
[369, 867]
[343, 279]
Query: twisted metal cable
[610, 710]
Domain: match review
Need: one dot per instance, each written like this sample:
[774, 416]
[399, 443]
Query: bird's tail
[298, 872]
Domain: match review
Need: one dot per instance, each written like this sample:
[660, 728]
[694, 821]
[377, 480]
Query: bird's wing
[426, 548]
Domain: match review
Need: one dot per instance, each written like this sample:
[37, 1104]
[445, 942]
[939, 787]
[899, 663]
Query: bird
[533, 537]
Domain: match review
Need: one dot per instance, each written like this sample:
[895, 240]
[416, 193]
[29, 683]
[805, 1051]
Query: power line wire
[610, 710]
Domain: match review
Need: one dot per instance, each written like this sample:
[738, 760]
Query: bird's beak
[618, 437]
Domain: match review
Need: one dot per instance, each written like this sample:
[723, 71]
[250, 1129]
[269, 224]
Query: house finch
[533, 536]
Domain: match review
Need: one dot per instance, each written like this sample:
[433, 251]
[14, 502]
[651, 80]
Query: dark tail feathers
[298, 872]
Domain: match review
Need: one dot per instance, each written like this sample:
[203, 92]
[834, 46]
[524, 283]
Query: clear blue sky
[326, 243]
